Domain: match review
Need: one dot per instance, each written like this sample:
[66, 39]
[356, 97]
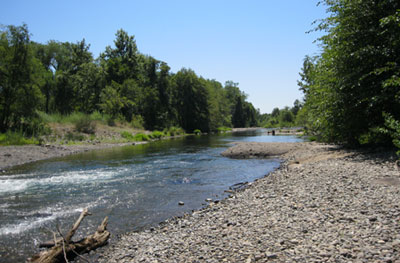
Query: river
[136, 186]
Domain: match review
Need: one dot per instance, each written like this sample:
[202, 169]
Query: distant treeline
[123, 83]
[285, 117]
[352, 89]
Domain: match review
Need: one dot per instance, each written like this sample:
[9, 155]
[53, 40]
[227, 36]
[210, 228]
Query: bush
[392, 128]
[223, 129]
[70, 136]
[173, 131]
[141, 137]
[127, 135]
[137, 122]
[156, 135]
[85, 125]
[197, 132]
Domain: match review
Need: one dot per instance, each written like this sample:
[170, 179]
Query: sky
[260, 44]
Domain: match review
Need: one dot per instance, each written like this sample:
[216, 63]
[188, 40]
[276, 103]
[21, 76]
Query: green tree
[121, 62]
[192, 104]
[357, 75]
[20, 79]
[238, 117]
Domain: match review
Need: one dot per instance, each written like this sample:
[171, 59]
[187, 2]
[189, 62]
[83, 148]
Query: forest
[122, 84]
[352, 88]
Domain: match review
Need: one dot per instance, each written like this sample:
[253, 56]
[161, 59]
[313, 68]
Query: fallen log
[63, 249]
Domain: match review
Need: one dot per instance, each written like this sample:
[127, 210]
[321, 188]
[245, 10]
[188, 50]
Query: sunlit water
[136, 186]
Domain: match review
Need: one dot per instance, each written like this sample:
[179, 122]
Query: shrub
[15, 138]
[197, 132]
[127, 135]
[223, 129]
[137, 122]
[173, 131]
[141, 137]
[85, 125]
[70, 136]
[156, 135]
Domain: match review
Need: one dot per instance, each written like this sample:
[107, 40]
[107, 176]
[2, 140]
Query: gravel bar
[324, 204]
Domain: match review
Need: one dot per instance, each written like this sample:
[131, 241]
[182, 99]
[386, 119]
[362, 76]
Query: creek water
[136, 186]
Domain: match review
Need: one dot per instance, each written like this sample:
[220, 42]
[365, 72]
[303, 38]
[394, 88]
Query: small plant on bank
[156, 135]
[197, 132]
[70, 136]
[139, 137]
[127, 135]
[137, 122]
[223, 129]
[85, 125]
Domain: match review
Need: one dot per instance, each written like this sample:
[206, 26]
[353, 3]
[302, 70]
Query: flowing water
[136, 186]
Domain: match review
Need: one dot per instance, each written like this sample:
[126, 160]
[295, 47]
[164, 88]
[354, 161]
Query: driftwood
[64, 249]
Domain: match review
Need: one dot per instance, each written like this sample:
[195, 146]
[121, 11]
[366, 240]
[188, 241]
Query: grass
[73, 118]
[16, 138]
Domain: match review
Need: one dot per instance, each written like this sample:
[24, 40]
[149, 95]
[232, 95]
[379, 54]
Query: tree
[357, 75]
[192, 104]
[121, 62]
[238, 117]
[20, 79]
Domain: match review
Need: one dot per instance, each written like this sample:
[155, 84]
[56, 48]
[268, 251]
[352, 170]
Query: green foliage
[61, 82]
[137, 122]
[197, 131]
[85, 125]
[127, 135]
[357, 75]
[224, 129]
[286, 117]
[15, 138]
[392, 128]
[71, 136]
[156, 135]
[21, 76]
[73, 118]
[141, 137]
[192, 101]
[173, 131]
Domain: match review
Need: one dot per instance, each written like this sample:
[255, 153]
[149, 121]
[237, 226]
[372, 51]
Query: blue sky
[260, 44]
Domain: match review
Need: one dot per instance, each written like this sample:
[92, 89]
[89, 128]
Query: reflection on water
[136, 186]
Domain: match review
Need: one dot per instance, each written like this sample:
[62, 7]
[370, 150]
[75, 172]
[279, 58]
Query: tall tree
[192, 104]
[357, 75]
[20, 79]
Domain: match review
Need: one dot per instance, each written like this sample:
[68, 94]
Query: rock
[181, 203]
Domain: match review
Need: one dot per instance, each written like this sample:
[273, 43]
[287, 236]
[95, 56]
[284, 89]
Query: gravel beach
[17, 155]
[324, 204]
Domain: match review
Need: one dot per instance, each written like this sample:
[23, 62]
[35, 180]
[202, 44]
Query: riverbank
[324, 204]
[17, 155]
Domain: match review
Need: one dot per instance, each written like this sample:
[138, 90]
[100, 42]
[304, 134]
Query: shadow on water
[136, 186]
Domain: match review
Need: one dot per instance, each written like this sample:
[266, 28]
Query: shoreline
[12, 156]
[16, 155]
[323, 204]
